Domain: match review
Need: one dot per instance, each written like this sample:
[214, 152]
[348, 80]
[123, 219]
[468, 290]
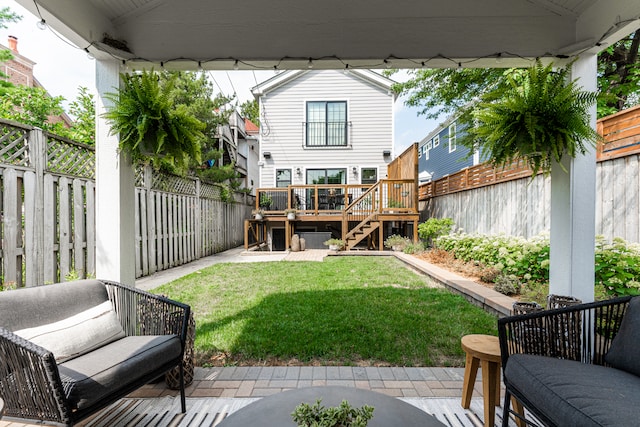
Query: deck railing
[386, 196]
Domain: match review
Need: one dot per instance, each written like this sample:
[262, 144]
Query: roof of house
[285, 77]
[250, 127]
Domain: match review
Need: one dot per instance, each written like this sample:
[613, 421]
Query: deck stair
[361, 231]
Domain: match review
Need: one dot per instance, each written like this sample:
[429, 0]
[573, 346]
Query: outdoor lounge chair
[70, 349]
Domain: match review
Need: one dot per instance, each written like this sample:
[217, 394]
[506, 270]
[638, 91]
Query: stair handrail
[365, 214]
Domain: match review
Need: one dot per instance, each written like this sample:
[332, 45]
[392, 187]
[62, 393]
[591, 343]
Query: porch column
[115, 213]
[573, 206]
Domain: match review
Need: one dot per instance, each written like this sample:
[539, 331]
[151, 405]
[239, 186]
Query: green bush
[617, 264]
[434, 228]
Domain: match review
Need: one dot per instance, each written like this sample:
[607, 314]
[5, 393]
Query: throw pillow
[625, 347]
[78, 334]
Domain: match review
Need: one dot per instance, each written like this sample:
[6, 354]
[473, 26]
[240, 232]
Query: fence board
[79, 229]
[50, 266]
[65, 227]
[11, 250]
[90, 193]
[30, 237]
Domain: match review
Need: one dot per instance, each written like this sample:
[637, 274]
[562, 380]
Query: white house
[325, 127]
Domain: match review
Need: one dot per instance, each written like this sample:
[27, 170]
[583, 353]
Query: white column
[115, 196]
[573, 204]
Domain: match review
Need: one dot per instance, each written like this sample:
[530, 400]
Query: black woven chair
[581, 333]
[34, 386]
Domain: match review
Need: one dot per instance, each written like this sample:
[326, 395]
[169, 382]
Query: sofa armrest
[581, 332]
[144, 313]
[30, 384]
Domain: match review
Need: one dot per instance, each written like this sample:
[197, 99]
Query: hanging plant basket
[538, 116]
[149, 125]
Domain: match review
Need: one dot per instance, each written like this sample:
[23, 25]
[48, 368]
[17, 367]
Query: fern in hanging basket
[149, 125]
[538, 116]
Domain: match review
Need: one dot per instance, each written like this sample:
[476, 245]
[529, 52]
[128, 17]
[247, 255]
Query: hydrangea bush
[617, 263]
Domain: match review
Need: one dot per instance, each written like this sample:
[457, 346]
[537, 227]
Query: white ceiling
[213, 34]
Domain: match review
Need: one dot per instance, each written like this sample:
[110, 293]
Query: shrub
[433, 228]
[414, 248]
[617, 264]
[507, 284]
[396, 242]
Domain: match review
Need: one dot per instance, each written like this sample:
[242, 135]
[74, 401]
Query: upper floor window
[452, 137]
[436, 141]
[326, 123]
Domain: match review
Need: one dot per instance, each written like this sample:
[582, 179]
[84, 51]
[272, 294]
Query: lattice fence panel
[209, 191]
[14, 149]
[70, 158]
[173, 184]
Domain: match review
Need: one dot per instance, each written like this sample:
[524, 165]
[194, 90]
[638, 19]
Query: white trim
[452, 137]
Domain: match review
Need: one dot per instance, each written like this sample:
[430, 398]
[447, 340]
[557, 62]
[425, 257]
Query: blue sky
[61, 68]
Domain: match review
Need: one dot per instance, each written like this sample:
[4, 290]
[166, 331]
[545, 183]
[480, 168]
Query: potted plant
[305, 415]
[291, 214]
[265, 200]
[334, 244]
[538, 116]
[149, 125]
[396, 242]
[258, 214]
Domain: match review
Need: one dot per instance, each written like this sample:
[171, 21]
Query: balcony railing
[326, 134]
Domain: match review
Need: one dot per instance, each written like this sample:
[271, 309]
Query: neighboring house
[440, 153]
[325, 127]
[329, 135]
[238, 140]
[20, 72]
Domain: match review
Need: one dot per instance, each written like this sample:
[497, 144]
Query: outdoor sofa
[575, 366]
[70, 349]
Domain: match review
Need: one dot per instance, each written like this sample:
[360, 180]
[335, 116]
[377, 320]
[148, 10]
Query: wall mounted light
[386, 153]
[355, 170]
[298, 171]
[267, 154]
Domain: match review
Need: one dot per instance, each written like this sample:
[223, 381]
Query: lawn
[343, 311]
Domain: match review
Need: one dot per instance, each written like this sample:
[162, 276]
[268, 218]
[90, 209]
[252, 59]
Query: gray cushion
[625, 348]
[77, 334]
[89, 378]
[571, 393]
[31, 307]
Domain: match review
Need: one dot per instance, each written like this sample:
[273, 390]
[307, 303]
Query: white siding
[283, 114]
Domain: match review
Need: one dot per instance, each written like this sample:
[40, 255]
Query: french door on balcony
[328, 198]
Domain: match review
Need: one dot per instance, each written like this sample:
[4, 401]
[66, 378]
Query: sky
[62, 68]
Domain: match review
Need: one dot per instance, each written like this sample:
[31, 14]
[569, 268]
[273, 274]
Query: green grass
[343, 311]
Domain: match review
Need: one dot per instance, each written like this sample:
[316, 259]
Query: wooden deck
[360, 215]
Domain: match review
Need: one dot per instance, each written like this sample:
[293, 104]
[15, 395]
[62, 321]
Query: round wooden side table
[484, 350]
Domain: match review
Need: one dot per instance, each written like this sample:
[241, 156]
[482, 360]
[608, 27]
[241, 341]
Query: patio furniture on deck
[575, 366]
[276, 410]
[70, 349]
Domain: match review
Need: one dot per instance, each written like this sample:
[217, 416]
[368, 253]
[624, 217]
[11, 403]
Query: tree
[250, 110]
[619, 75]
[447, 91]
[32, 106]
[83, 111]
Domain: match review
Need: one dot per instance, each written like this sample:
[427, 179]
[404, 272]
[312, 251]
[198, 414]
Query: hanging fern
[149, 125]
[538, 116]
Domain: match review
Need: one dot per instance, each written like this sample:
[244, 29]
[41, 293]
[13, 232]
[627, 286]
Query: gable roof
[279, 80]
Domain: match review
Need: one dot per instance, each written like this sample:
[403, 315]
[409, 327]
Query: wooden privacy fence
[487, 201]
[47, 212]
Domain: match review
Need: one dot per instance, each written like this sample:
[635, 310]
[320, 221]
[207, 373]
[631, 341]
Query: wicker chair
[582, 333]
[36, 386]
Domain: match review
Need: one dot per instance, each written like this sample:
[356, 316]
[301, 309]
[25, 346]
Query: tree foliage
[619, 75]
[251, 110]
[32, 106]
[83, 111]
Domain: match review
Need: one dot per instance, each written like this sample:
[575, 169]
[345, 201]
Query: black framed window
[326, 124]
[369, 176]
[283, 177]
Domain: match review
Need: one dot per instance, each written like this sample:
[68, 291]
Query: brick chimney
[13, 43]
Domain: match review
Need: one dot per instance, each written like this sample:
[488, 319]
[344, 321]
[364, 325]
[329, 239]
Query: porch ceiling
[362, 33]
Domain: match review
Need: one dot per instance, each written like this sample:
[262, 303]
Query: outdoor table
[275, 410]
